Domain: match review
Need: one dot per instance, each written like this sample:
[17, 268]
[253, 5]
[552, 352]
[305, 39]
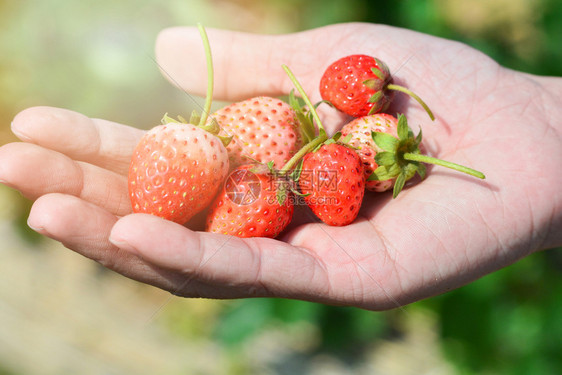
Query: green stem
[305, 98]
[443, 163]
[308, 131]
[303, 151]
[413, 95]
[210, 82]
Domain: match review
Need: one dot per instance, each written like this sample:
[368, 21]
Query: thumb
[218, 266]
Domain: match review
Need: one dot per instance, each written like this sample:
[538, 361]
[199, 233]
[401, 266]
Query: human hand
[437, 235]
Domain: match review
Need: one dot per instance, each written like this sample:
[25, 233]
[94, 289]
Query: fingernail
[37, 228]
[18, 133]
[123, 245]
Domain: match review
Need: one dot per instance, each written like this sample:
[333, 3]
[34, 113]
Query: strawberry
[177, 168]
[333, 183]
[360, 85]
[330, 177]
[359, 132]
[263, 129]
[252, 203]
[399, 157]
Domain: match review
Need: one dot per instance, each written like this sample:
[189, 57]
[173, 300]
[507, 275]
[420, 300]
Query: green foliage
[343, 331]
[509, 322]
[243, 319]
[346, 330]
[538, 52]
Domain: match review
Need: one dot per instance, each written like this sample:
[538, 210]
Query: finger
[36, 171]
[99, 142]
[244, 64]
[85, 228]
[250, 64]
[247, 65]
[244, 267]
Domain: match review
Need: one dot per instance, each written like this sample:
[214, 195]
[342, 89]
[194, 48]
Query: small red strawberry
[177, 168]
[263, 129]
[399, 158]
[333, 183]
[361, 85]
[358, 132]
[252, 203]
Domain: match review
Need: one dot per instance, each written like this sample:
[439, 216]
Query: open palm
[437, 235]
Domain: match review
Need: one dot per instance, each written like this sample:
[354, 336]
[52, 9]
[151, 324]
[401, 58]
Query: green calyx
[401, 157]
[383, 82]
[200, 120]
[213, 127]
[305, 116]
[312, 116]
[379, 85]
[308, 131]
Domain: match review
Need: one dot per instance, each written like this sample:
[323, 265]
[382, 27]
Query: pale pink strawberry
[263, 129]
[176, 170]
[178, 167]
[360, 130]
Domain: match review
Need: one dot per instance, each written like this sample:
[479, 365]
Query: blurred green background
[62, 314]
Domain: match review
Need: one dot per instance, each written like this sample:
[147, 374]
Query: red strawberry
[333, 183]
[360, 85]
[176, 170]
[249, 204]
[359, 131]
[263, 129]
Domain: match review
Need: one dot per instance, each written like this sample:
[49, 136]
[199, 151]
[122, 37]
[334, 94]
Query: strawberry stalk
[200, 120]
[401, 158]
[210, 81]
[403, 89]
[308, 131]
[430, 160]
[303, 151]
[305, 98]
[382, 83]
[315, 142]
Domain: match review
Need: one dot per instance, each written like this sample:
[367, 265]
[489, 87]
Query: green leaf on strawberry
[386, 158]
[304, 117]
[402, 158]
[385, 141]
